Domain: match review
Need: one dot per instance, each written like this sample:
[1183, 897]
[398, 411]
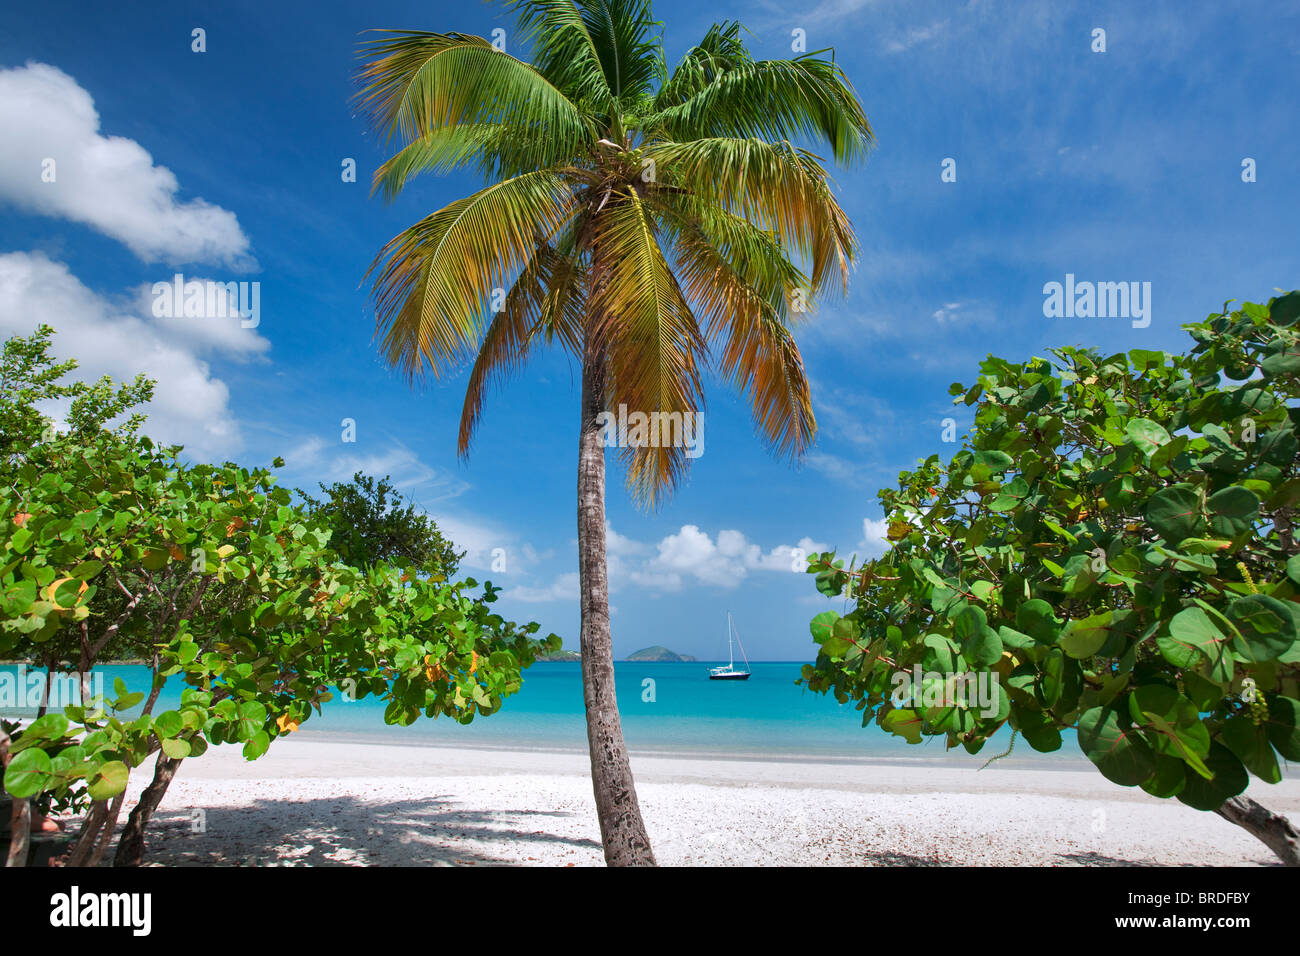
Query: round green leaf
[1250, 745]
[175, 747]
[1233, 510]
[1174, 513]
[1284, 725]
[256, 745]
[1084, 637]
[1115, 746]
[1147, 435]
[1229, 779]
[1036, 619]
[1267, 626]
[1284, 310]
[108, 780]
[28, 773]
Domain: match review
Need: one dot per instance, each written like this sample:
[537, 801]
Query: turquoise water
[680, 712]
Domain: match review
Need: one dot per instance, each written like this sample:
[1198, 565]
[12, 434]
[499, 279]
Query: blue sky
[1123, 165]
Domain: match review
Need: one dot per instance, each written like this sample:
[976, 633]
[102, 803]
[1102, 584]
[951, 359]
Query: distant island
[657, 653]
[560, 656]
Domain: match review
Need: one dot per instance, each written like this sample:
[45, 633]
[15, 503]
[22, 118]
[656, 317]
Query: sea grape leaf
[1174, 513]
[1115, 746]
[1229, 779]
[1250, 745]
[1267, 626]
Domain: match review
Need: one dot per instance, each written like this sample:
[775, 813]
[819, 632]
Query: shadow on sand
[347, 831]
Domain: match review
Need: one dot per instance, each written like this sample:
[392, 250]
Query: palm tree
[645, 221]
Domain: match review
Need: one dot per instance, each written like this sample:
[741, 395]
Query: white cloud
[946, 313]
[107, 182]
[832, 466]
[617, 544]
[691, 553]
[378, 456]
[122, 339]
[220, 331]
[874, 543]
[914, 36]
[687, 556]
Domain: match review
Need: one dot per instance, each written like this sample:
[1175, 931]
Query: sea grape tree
[218, 577]
[1115, 542]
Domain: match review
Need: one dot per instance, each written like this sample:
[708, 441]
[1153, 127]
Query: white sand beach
[309, 802]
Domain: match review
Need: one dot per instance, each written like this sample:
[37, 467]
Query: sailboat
[729, 672]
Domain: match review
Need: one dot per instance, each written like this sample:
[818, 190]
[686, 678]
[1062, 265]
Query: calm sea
[666, 708]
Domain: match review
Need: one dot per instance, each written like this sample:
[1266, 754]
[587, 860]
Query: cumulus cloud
[110, 183]
[690, 554]
[874, 543]
[123, 339]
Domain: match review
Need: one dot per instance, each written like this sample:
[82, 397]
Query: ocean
[666, 708]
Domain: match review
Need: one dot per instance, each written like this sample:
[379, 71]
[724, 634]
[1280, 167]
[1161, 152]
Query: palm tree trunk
[622, 831]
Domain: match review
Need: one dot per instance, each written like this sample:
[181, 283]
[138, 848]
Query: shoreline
[346, 803]
[953, 759]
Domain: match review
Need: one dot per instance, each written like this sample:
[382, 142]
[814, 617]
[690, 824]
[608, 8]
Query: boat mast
[731, 651]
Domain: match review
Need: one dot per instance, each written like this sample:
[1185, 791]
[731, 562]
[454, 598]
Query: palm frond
[564, 50]
[769, 99]
[439, 151]
[721, 51]
[774, 186]
[628, 53]
[650, 340]
[546, 300]
[433, 279]
[737, 276]
[498, 151]
[414, 83]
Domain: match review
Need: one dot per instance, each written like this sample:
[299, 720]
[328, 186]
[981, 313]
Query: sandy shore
[331, 803]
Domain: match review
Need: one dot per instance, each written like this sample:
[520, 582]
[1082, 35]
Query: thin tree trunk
[106, 837]
[622, 831]
[95, 819]
[20, 815]
[130, 849]
[1274, 830]
[20, 833]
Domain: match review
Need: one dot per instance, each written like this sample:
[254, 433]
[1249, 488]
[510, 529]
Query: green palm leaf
[419, 82]
[736, 275]
[776, 187]
[645, 331]
[434, 278]
[770, 99]
[547, 299]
